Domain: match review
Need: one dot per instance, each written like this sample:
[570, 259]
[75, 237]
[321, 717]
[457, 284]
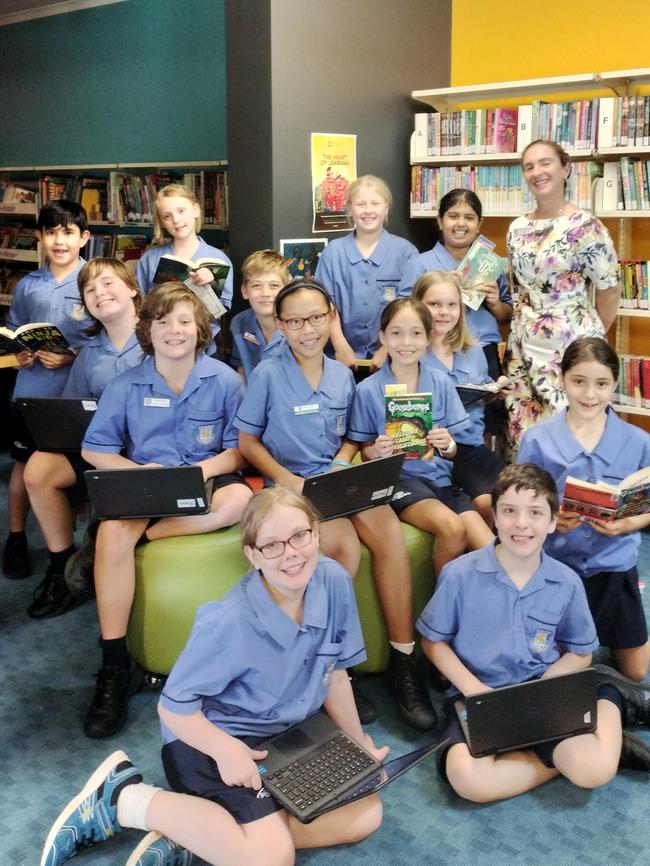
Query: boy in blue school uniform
[254, 331]
[510, 613]
[271, 653]
[49, 294]
[174, 409]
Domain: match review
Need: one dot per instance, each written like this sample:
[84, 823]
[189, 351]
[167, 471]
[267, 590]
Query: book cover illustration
[32, 338]
[483, 393]
[409, 417]
[480, 265]
[176, 269]
[607, 501]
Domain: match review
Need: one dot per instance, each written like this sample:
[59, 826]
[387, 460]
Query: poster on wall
[301, 255]
[333, 168]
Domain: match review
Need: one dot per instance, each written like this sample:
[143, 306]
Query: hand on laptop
[378, 752]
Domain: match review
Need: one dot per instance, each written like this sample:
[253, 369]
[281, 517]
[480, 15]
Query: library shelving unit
[513, 94]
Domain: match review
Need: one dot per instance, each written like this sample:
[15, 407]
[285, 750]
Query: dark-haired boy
[48, 294]
[509, 613]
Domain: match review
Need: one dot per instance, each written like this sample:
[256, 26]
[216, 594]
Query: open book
[608, 501]
[31, 338]
[470, 394]
[174, 268]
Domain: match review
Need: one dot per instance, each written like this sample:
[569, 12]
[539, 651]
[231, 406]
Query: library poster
[333, 168]
[301, 255]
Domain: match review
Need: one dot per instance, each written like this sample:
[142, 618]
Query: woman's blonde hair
[261, 506]
[459, 339]
[92, 269]
[380, 186]
[172, 189]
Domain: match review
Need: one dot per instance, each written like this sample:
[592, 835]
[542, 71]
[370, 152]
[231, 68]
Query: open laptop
[57, 423]
[355, 488]
[121, 494]
[314, 767]
[523, 715]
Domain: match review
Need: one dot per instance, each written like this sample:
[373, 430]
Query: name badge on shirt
[390, 293]
[327, 676]
[159, 402]
[251, 338]
[307, 409]
[340, 425]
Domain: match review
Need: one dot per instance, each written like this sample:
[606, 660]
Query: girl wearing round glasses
[292, 423]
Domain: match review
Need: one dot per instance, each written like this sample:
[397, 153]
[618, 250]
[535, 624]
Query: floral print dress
[556, 264]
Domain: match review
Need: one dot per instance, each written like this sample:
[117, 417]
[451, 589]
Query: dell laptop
[57, 423]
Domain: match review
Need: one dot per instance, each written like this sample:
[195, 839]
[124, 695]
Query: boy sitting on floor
[509, 613]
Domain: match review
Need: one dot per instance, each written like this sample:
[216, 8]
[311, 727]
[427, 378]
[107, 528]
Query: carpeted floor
[46, 681]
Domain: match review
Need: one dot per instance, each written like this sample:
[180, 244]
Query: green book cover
[408, 420]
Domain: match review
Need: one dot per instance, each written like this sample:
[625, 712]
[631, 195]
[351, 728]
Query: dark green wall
[139, 81]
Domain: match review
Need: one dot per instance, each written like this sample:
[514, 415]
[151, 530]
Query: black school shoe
[51, 597]
[15, 559]
[410, 693]
[636, 696]
[635, 754]
[107, 713]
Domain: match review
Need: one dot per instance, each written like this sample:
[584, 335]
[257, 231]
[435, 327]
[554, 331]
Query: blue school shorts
[475, 469]
[416, 489]
[616, 606]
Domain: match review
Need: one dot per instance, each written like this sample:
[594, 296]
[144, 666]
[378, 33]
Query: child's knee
[229, 503]
[591, 774]
[368, 821]
[466, 777]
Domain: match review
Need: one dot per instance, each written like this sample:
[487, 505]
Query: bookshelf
[604, 100]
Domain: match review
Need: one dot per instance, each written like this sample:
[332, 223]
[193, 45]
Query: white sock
[132, 805]
[406, 648]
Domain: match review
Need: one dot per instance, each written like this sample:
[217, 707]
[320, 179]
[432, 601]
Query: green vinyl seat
[174, 576]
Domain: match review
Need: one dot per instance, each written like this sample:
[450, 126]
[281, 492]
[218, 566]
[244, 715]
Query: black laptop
[121, 494]
[355, 488]
[314, 767]
[57, 423]
[523, 715]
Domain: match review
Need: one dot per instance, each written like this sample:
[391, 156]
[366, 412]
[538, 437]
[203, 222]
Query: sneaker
[91, 817]
[635, 753]
[107, 713]
[367, 713]
[51, 597]
[15, 559]
[413, 701]
[79, 569]
[636, 696]
[157, 850]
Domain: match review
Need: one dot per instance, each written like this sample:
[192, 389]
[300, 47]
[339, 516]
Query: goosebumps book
[408, 420]
[606, 501]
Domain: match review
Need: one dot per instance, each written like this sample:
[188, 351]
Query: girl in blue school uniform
[271, 653]
[292, 423]
[111, 298]
[174, 409]
[590, 442]
[177, 213]
[362, 272]
[426, 496]
[454, 353]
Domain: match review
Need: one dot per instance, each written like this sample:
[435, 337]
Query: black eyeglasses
[275, 549]
[296, 323]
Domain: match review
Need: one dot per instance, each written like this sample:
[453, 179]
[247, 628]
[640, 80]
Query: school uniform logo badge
[541, 640]
[78, 313]
[340, 425]
[327, 676]
[205, 435]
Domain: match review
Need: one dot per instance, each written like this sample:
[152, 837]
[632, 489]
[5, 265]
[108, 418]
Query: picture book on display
[608, 501]
[174, 268]
[479, 265]
[32, 338]
[408, 420]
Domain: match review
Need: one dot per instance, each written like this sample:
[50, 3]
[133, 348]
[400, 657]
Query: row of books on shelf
[634, 278]
[500, 187]
[117, 246]
[626, 185]
[11, 194]
[633, 382]
[581, 124]
[15, 236]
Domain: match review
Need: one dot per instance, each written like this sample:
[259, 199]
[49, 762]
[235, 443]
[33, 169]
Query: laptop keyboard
[307, 781]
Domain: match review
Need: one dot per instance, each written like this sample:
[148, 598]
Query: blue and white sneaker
[157, 850]
[91, 817]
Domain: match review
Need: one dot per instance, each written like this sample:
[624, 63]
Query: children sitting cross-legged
[292, 423]
[510, 613]
[174, 409]
[271, 653]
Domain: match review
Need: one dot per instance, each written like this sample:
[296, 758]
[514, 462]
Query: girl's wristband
[448, 450]
[341, 463]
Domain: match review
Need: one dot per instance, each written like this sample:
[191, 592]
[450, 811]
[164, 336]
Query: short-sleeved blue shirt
[623, 449]
[253, 671]
[361, 288]
[249, 344]
[505, 635]
[481, 322]
[368, 418]
[40, 298]
[98, 363]
[302, 428]
[139, 411]
[468, 367]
